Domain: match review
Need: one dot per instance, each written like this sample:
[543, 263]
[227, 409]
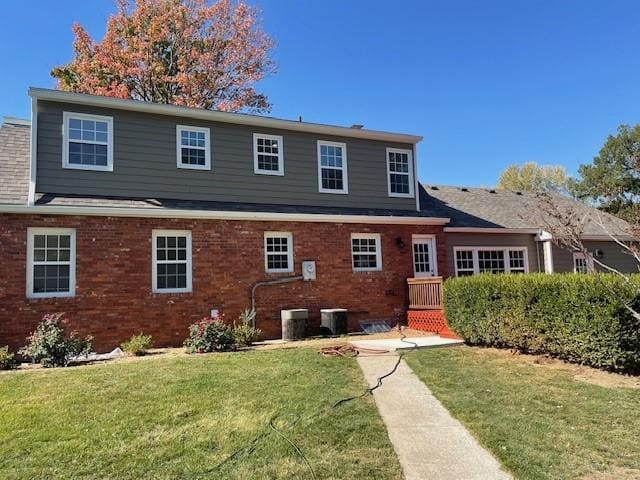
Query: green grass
[179, 417]
[540, 421]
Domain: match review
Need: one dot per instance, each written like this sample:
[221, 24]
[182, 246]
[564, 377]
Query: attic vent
[492, 191]
[518, 193]
[357, 126]
[434, 188]
[464, 189]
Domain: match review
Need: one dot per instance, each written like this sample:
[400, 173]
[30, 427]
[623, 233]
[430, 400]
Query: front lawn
[180, 416]
[541, 419]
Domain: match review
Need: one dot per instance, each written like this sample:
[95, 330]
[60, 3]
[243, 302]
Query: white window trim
[345, 176]
[289, 237]
[377, 238]
[66, 116]
[154, 261]
[256, 169]
[31, 232]
[419, 238]
[410, 174]
[476, 263]
[581, 256]
[207, 147]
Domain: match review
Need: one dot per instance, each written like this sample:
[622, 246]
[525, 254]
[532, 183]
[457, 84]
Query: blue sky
[486, 83]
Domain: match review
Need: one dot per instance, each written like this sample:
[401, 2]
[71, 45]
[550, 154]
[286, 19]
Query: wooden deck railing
[425, 293]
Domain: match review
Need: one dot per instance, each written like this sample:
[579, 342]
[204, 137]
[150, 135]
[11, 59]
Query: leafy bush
[579, 318]
[210, 335]
[7, 359]
[49, 346]
[245, 335]
[137, 345]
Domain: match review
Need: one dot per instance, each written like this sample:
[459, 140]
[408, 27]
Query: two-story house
[138, 217]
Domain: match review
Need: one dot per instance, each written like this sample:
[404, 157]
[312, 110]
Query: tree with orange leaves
[182, 52]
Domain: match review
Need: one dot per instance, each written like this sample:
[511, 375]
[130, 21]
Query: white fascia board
[529, 231]
[33, 152]
[218, 215]
[216, 116]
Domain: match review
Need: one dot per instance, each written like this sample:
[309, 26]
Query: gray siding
[145, 164]
[614, 256]
[495, 240]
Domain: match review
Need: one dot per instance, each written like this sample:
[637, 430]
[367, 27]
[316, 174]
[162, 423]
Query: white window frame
[154, 261]
[476, 263]
[259, 171]
[207, 147]
[433, 255]
[289, 237]
[31, 232]
[377, 238]
[409, 153]
[66, 116]
[345, 176]
[588, 262]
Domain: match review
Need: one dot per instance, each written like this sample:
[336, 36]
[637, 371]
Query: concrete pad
[394, 344]
[429, 442]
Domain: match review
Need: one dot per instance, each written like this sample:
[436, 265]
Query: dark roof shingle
[14, 161]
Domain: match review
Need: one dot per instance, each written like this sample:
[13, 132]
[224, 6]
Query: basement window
[268, 154]
[278, 252]
[400, 172]
[51, 262]
[171, 261]
[87, 142]
[193, 147]
[472, 260]
[365, 252]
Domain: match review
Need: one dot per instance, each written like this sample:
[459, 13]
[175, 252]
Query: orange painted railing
[425, 293]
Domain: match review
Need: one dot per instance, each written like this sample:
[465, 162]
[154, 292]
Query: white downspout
[547, 250]
[33, 153]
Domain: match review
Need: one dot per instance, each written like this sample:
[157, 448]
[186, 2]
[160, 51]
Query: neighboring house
[504, 231]
[138, 217]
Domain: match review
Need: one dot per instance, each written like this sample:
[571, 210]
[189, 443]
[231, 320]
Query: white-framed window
[278, 252]
[582, 263]
[366, 253]
[193, 147]
[472, 260]
[400, 172]
[171, 261]
[87, 142]
[268, 154]
[332, 167]
[51, 262]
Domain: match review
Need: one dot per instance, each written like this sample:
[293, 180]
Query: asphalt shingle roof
[14, 162]
[489, 208]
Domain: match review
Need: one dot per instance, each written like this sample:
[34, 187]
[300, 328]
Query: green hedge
[579, 318]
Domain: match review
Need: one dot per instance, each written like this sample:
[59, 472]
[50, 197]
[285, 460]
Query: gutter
[218, 215]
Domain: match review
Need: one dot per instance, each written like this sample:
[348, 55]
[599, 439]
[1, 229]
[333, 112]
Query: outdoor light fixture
[399, 243]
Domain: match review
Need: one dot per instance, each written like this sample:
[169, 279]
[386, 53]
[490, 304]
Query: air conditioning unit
[294, 323]
[333, 321]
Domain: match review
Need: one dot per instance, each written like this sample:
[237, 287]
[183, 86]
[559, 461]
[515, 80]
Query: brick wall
[113, 276]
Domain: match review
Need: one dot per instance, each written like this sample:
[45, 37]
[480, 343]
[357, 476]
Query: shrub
[137, 345]
[578, 318]
[210, 335]
[7, 359]
[49, 346]
[245, 335]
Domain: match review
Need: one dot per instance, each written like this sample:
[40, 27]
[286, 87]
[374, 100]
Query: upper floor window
[278, 252]
[268, 154]
[87, 142]
[171, 261]
[400, 172]
[470, 260]
[193, 147]
[366, 255]
[332, 167]
[51, 262]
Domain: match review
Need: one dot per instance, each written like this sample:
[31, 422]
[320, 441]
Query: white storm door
[423, 248]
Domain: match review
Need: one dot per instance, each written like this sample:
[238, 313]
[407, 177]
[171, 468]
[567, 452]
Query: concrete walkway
[429, 442]
[407, 344]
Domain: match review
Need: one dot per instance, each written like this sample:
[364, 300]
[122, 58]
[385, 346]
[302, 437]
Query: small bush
[245, 335]
[137, 345]
[49, 346]
[210, 335]
[7, 359]
[578, 318]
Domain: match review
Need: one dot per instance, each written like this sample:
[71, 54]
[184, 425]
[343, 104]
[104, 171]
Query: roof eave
[211, 115]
